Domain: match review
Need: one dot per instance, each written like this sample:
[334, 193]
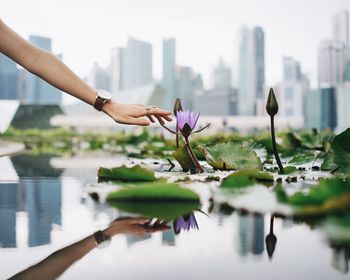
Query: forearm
[54, 71]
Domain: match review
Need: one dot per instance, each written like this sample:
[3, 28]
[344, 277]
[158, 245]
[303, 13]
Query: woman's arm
[51, 69]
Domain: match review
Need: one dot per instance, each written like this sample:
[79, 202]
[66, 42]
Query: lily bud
[177, 106]
[271, 105]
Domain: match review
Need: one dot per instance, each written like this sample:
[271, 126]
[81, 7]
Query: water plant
[272, 109]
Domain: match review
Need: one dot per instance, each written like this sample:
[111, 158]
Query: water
[44, 208]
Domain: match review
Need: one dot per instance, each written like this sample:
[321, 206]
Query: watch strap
[100, 237]
[99, 102]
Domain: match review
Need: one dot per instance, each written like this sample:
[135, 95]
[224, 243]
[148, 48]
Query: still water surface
[44, 207]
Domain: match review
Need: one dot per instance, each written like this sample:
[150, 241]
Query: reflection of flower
[186, 222]
[186, 121]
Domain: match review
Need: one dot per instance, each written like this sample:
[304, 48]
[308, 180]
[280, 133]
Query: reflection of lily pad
[182, 157]
[126, 174]
[339, 153]
[337, 228]
[229, 156]
[153, 192]
[246, 177]
[161, 210]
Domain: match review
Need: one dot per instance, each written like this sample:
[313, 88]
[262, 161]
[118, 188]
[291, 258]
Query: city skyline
[203, 31]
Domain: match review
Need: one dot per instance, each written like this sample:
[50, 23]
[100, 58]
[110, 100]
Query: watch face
[104, 94]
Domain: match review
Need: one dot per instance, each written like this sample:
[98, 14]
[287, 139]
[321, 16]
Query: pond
[44, 207]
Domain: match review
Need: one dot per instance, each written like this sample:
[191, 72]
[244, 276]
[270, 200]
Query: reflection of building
[341, 258]
[168, 238]
[251, 71]
[8, 208]
[250, 236]
[44, 200]
[39, 91]
[39, 193]
[169, 62]
[8, 78]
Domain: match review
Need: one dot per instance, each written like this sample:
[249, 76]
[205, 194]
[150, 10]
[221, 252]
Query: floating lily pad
[246, 177]
[126, 174]
[339, 153]
[183, 158]
[302, 158]
[229, 156]
[161, 210]
[154, 192]
[326, 197]
[289, 170]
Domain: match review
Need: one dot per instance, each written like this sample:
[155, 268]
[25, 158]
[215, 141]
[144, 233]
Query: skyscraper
[293, 89]
[332, 59]
[169, 63]
[251, 70]
[99, 77]
[221, 76]
[341, 27]
[39, 91]
[8, 78]
[131, 66]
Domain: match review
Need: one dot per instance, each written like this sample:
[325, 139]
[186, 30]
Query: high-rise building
[8, 78]
[221, 76]
[99, 77]
[332, 59]
[169, 64]
[293, 89]
[39, 91]
[343, 112]
[251, 71]
[131, 66]
[187, 84]
[341, 27]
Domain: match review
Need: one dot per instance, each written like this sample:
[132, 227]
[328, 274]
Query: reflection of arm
[55, 264]
[44, 65]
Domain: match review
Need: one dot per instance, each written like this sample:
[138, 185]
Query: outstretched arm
[51, 69]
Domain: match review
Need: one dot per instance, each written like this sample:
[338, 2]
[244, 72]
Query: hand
[135, 114]
[134, 226]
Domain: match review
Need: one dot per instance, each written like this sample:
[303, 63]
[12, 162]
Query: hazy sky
[85, 30]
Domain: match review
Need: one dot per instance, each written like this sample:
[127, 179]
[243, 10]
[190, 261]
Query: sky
[85, 30]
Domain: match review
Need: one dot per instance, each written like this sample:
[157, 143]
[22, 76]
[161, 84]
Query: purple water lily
[186, 222]
[186, 121]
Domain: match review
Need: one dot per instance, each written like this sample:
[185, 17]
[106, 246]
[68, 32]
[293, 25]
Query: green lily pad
[246, 177]
[326, 197]
[154, 192]
[126, 174]
[288, 170]
[302, 158]
[161, 210]
[183, 158]
[229, 156]
[339, 153]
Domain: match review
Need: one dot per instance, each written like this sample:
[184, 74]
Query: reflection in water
[250, 236]
[271, 239]
[40, 197]
[168, 238]
[341, 258]
[185, 222]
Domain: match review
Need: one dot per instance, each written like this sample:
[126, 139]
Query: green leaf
[156, 192]
[302, 158]
[326, 197]
[126, 174]
[164, 211]
[288, 170]
[246, 177]
[339, 153]
[229, 156]
[183, 158]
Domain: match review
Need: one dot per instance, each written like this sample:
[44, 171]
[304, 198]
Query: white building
[221, 76]
[332, 59]
[340, 26]
[343, 112]
[131, 66]
[292, 89]
[251, 71]
[169, 68]
[98, 77]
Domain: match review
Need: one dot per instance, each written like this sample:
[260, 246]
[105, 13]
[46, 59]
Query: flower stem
[274, 146]
[193, 156]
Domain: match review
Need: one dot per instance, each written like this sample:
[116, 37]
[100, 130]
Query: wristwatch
[102, 97]
[101, 239]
